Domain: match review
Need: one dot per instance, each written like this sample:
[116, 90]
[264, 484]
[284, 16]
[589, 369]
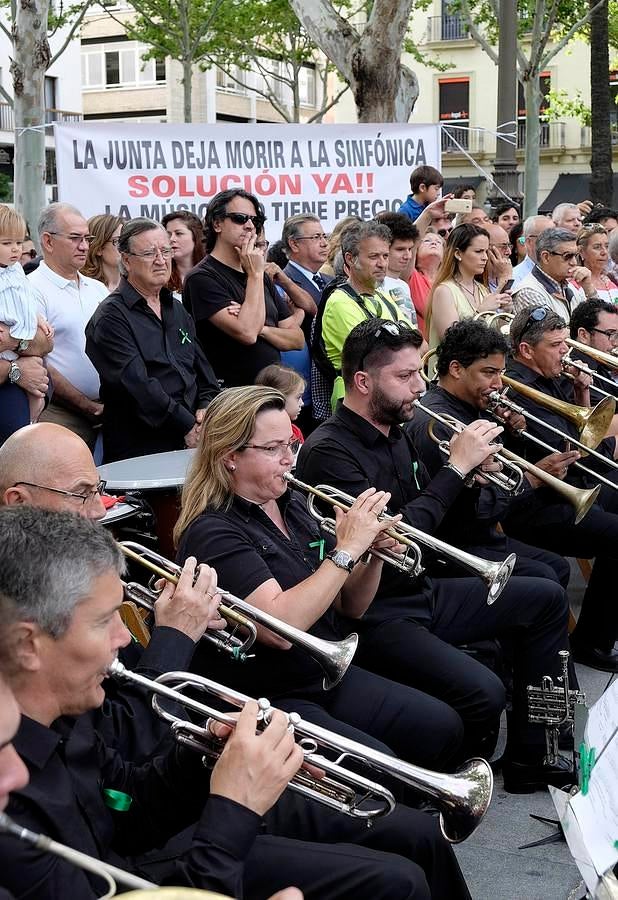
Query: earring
[231, 467]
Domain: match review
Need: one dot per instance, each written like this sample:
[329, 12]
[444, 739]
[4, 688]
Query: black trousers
[389, 716]
[596, 536]
[421, 649]
[330, 855]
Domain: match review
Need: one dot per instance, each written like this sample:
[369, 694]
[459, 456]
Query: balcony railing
[586, 136]
[7, 118]
[470, 140]
[446, 28]
[552, 135]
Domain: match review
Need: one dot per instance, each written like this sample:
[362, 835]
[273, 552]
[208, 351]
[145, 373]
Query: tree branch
[7, 97]
[72, 30]
[476, 34]
[322, 112]
[6, 32]
[331, 32]
[570, 33]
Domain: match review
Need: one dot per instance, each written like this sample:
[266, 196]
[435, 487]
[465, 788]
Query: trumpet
[580, 498]
[462, 798]
[333, 656]
[110, 874]
[497, 399]
[552, 705]
[494, 574]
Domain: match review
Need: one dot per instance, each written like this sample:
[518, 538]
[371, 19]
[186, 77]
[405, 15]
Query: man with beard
[411, 631]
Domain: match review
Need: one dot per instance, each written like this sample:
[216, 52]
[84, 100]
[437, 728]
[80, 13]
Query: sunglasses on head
[538, 314]
[242, 219]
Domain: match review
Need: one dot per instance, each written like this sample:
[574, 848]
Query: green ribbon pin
[184, 335]
[321, 544]
[117, 800]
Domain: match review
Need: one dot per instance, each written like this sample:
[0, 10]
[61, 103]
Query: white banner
[332, 171]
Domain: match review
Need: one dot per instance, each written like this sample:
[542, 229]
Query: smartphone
[509, 284]
[458, 206]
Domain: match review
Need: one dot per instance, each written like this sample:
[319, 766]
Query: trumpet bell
[495, 575]
[466, 800]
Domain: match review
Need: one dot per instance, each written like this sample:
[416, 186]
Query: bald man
[48, 466]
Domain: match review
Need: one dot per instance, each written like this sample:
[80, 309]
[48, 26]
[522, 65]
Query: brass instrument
[553, 705]
[494, 574]
[580, 498]
[606, 359]
[497, 399]
[333, 656]
[463, 797]
[582, 367]
[424, 370]
[110, 874]
[491, 316]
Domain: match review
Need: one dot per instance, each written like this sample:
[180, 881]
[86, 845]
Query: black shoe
[525, 778]
[602, 660]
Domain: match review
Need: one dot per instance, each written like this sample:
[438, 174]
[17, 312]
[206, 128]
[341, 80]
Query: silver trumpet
[333, 656]
[494, 574]
[552, 705]
[110, 874]
[462, 798]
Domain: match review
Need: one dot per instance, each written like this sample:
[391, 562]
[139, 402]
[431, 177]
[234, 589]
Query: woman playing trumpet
[238, 515]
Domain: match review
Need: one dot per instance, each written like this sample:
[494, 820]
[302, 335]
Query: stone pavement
[494, 868]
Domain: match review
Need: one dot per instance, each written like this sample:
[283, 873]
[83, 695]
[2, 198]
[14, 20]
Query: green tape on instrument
[117, 800]
[587, 761]
[415, 474]
[322, 545]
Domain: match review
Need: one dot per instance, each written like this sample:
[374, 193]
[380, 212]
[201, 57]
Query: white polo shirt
[68, 306]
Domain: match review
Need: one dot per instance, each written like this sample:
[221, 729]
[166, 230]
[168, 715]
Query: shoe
[525, 778]
[602, 660]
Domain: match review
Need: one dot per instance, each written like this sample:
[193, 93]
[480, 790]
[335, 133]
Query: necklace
[470, 293]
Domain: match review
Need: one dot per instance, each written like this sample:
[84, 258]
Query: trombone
[110, 874]
[333, 656]
[494, 574]
[462, 798]
[580, 498]
[582, 367]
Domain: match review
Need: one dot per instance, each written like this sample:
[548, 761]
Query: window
[545, 79]
[306, 86]
[119, 64]
[454, 110]
[229, 84]
[613, 108]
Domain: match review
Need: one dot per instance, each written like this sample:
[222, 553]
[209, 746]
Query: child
[425, 184]
[22, 331]
[292, 386]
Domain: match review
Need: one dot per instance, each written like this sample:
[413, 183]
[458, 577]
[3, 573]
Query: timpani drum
[159, 477]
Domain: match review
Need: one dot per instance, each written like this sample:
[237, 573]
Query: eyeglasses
[114, 241]
[85, 497]
[31, 254]
[278, 449]
[567, 257]
[310, 237]
[76, 239]
[444, 232]
[262, 245]
[153, 252]
[243, 218]
[610, 333]
[538, 314]
[506, 248]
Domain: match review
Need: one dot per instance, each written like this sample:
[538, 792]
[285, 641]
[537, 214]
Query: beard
[386, 411]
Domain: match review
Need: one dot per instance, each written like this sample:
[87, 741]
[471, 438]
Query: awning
[571, 189]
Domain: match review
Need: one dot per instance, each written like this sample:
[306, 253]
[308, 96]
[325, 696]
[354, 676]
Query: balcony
[7, 119]
[552, 135]
[446, 28]
[586, 136]
[472, 141]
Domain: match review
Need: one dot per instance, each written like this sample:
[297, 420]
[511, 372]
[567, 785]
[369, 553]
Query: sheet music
[603, 719]
[597, 810]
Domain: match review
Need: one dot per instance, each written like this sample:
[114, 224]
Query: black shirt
[154, 375]
[70, 768]
[470, 519]
[247, 549]
[560, 389]
[212, 286]
[349, 453]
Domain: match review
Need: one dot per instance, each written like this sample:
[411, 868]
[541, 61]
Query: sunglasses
[538, 314]
[385, 330]
[242, 219]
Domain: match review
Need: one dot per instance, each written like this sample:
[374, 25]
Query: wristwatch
[342, 559]
[14, 372]
[22, 346]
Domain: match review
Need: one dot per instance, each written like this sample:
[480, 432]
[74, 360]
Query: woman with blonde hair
[103, 259]
[459, 290]
[593, 246]
[239, 515]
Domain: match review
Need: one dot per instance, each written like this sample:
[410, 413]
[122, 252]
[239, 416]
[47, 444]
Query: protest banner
[150, 170]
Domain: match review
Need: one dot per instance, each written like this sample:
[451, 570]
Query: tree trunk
[31, 57]
[370, 62]
[532, 93]
[187, 89]
[601, 175]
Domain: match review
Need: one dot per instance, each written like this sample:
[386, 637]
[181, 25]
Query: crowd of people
[329, 357]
